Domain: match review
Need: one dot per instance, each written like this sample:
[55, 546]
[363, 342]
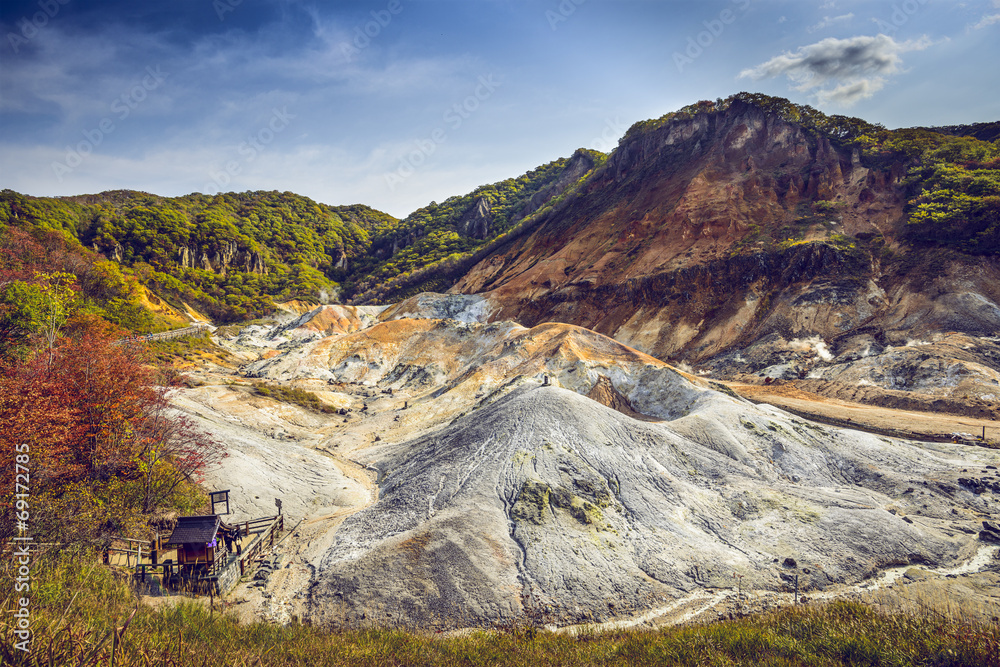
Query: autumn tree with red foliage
[106, 449]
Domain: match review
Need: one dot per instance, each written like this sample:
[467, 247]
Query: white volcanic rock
[549, 506]
[500, 499]
[430, 305]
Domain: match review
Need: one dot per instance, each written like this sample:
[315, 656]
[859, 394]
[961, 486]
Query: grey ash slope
[546, 505]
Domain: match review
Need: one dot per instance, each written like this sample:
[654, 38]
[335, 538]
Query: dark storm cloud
[839, 70]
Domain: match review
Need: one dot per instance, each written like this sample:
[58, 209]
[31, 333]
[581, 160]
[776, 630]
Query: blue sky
[395, 103]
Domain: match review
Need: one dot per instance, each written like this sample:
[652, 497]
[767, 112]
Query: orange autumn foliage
[104, 449]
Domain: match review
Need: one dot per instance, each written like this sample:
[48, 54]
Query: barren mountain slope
[550, 506]
[651, 240]
[501, 499]
[709, 236]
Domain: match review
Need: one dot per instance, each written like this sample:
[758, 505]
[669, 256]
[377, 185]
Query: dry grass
[300, 397]
[188, 350]
[84, 615]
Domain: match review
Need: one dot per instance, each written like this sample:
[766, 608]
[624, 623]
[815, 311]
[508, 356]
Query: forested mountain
[233, 254]
[230, 254]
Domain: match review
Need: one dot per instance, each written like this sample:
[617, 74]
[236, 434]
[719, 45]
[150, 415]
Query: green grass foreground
[80, 616]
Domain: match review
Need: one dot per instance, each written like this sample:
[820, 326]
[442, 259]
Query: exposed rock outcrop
[477, 220]
[427, 305]
[228, 256]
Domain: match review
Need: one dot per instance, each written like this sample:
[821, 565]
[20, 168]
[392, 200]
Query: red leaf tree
[105, 447]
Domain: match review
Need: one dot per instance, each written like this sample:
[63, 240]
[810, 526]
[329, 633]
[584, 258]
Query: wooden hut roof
[195, 529]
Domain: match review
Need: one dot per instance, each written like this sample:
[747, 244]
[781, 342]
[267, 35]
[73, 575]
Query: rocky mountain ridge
[750, 238]
[716, 235]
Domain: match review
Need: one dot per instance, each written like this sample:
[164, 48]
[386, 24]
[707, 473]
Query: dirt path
[886, 421]
[283, 597]
[938, 589]
[358, 473]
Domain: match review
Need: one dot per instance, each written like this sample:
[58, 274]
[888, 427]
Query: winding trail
[694, 605]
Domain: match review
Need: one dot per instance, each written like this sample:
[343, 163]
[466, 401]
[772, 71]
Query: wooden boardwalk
[193, 330]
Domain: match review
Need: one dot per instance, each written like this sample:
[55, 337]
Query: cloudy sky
[394, 103]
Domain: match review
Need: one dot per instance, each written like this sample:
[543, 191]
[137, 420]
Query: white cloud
[987, 21]
[77, 75]
[828, 21]
[839, 70]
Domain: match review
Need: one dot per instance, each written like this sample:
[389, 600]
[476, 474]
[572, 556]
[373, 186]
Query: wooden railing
[192, 330]
[179, 333]
[274, 525]
[131, 548]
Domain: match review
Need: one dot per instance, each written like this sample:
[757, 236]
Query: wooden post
[796, 589]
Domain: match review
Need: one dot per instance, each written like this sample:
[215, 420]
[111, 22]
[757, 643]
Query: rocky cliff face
[477, 220]
[704, 236]
[688, 196]
[229, 255]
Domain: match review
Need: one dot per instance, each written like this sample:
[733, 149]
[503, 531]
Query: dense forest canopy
[231, 253]
[234, 254]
